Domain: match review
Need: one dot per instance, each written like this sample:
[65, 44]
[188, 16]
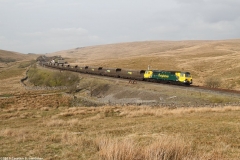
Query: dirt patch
[119, 91]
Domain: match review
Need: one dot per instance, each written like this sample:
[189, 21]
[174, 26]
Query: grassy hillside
[203, 59]
[12, 68]
[15, 56]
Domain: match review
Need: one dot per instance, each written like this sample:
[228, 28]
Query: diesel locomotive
[159, 76]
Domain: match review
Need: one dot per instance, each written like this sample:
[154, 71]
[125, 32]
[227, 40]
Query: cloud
[68, 32]
[211, 11]
[221, 12]
[59, 39]
[164, 29]
[2, 38]
[46, 26]
[58, 33]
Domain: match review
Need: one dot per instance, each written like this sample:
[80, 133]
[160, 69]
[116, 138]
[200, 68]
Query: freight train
[159, 76]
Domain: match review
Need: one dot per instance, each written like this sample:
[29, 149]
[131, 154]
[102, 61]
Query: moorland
[50, 124]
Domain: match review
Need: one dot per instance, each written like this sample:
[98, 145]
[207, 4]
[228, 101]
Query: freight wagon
[111, 72]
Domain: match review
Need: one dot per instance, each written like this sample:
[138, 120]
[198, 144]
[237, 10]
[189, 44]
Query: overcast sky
[45, 26]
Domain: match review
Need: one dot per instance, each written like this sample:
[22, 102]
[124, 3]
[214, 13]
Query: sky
[46, 26]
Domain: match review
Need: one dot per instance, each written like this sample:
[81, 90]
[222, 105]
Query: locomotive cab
[148, 74]
[184, 77]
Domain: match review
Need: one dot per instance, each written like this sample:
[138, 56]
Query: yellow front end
[184, 77]
[148, 74]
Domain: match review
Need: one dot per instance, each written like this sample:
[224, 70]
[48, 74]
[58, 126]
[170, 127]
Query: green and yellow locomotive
[176, 77]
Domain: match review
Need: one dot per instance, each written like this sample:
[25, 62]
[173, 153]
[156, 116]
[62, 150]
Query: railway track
[217, 89]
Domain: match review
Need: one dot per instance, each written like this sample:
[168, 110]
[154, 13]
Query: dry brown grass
[12, 72]
[112, 132]
[11, 85]
[10, 79]
[60, 122]
[133, 111]
[16, 55]
[162, 148]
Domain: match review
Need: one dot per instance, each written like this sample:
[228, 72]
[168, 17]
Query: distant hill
[218, 59]
[9, 56]
[150, 49]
